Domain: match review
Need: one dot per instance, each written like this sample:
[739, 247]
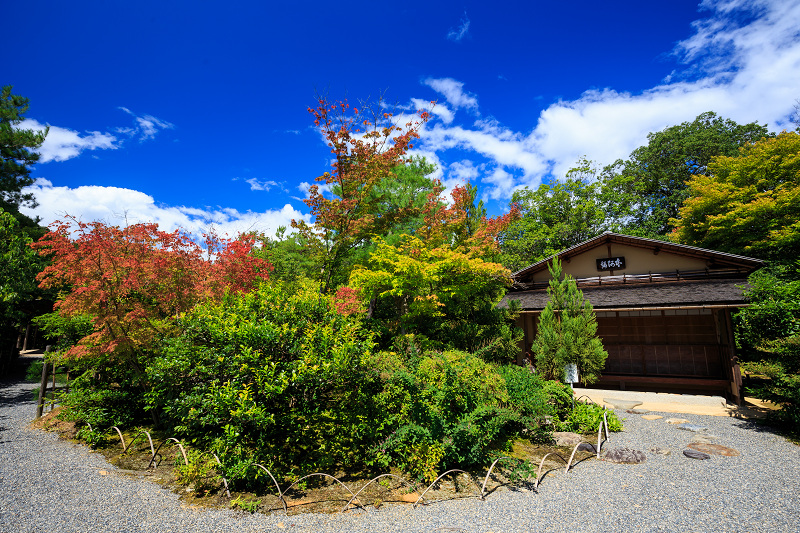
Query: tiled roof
[712, 292]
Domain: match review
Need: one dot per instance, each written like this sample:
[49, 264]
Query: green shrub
[587, 417]
[102, 407]
[453, 409]
[272, 377]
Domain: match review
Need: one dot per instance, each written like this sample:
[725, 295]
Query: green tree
[646, 191]
[441, 294]
[768, 334]
[553, 217]
[19, 265]
[567, 331]
[17, 154]
[747, 204]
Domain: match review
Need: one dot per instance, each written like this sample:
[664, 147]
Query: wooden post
[42, 389]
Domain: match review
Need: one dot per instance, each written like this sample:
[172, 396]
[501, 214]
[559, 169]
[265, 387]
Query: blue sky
[193, 114]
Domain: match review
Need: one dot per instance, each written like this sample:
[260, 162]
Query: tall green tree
[747, 204]
[553, 217]
[19, 265]
[17, 154]
[567, 331]
[646, 191]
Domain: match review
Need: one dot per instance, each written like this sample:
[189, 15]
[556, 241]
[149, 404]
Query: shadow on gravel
[8, 395]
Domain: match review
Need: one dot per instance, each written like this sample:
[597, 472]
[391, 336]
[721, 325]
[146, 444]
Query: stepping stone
[692, 427]
[626, 456]
[703, 439]
[676, 421]
[714, 449]
[652, 417]
[661, 451]
[621, 404]
[638, 411]
[693, 454]
[566, 438]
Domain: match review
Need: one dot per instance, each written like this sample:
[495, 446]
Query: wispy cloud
[62, 143]
[118, 206]
[456, 34]
[742, 61]
[258, 185]
[453, 91]
[147, 126]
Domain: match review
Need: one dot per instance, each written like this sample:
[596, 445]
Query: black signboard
[611, 263]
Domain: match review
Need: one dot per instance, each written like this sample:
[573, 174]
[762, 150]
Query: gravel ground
[49, 485]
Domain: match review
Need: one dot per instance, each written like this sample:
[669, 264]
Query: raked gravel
[51, 485]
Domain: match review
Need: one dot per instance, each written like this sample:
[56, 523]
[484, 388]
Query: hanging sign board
[611, 263]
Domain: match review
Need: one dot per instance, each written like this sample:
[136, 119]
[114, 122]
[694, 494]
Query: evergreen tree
[16, 155]
[567, 331]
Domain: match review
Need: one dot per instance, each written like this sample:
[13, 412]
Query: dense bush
[271, 377]
[453, 409]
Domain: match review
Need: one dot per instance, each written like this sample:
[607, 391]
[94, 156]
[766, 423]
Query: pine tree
[567, 331]
[17, 154]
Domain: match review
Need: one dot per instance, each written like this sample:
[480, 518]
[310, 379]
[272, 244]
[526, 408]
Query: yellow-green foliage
[747, 204]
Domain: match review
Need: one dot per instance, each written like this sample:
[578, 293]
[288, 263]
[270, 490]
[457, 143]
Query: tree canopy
[747, 204]
[646, 191]
[553, 217]
[17, 154]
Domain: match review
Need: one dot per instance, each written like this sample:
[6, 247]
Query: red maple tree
[134, 280]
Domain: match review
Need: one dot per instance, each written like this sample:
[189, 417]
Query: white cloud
[146, 125]
[256, 185]
[456, 34]
[62, 143]
[741, 61]
[453, 91]
[118, 206]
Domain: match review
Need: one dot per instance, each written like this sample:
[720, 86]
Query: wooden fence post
[42, 389]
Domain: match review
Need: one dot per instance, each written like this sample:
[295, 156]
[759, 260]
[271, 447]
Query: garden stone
[693, 454]
[676, 421]
[661, 451]
[652, 417]
[625, 456]
[566, 438]
[704, 439]
[586, 447]
[638, 411]
[621, 404]
[714, 449]
[692, 427]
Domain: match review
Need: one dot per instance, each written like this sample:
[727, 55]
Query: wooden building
[663, 311]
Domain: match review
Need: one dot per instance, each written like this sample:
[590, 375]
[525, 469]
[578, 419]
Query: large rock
[661, 451]
[694, 454]
[676, 421]
[621, 404]
[713, 449]
[626, 456]
[566, 438]
[692, 427]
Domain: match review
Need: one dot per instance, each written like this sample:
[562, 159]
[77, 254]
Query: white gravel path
[49, 485]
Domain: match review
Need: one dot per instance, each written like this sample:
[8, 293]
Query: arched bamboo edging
[280, 494]
[323, 475]
[541, 465]
[180, 446]
[149, 438]
[369, 483]
[225, 481]
[440, 477]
